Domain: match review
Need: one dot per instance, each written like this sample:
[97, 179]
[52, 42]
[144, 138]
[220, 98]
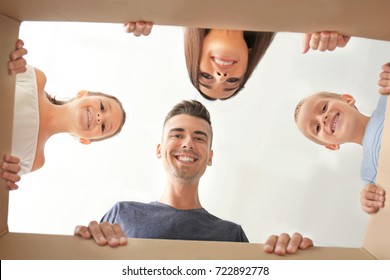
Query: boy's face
[328, 121]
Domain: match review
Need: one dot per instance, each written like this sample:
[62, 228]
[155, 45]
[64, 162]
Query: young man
[185, 151]
[331, 119]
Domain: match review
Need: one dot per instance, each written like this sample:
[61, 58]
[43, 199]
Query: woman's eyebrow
[230, 89]
[206, 86]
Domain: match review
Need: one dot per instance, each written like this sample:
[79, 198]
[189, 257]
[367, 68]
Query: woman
[90, 116]
[219, 61]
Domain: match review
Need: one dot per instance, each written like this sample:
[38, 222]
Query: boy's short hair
[323, 94]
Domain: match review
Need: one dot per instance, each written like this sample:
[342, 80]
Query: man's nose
[99, 117]
[188, 143]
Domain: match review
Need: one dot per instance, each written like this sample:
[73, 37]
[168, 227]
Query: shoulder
[41, 78]
[39, 159]
[121, 205]
[220, 221]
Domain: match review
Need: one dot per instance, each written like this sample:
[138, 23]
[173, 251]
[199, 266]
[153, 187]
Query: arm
[372, 198]
[17, 63]
[9, 171]
[323, 41]
[103, 233]
[139, 28]
[384, 79]
[284, 244]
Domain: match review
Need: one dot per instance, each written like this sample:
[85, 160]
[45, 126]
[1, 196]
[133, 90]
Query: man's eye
[101, 106]
[318, 128]
[232, 80]
[199, 139]
[206, 75]
[175, 136]
[103, 127]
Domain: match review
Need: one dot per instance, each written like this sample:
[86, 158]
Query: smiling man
[185, 151]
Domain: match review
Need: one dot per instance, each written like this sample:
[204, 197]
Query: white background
[265, 176]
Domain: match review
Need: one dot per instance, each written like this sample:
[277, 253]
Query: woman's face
[223, 63]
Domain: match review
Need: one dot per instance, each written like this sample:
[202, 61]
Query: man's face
[185, 147]
[327, 120]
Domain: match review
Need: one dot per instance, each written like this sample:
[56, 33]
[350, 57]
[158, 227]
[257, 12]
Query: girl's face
[223, 63]
[96, 116]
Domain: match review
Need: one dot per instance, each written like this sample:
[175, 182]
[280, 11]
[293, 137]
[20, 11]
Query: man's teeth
[186, 159]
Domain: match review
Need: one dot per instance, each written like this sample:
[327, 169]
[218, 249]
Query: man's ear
[85, 141]
[348, 98]
[210, 161]
[158, 151]
[82, 93]
[333, 147]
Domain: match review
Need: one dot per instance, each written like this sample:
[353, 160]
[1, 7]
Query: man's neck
[181, 194]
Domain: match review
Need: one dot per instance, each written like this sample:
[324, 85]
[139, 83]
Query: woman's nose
[222, 75]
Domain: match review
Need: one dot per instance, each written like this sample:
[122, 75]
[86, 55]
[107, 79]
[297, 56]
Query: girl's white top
[26, 119]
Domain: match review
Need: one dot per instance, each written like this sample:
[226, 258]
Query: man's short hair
[192, 108]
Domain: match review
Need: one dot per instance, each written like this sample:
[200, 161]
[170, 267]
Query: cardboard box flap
[44, 246]
[9, 30]
[263, 15]
[378, 229]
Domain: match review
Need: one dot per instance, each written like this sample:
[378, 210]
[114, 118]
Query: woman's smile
[223, 62]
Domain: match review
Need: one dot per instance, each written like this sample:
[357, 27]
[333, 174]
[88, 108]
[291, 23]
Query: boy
[331, 119]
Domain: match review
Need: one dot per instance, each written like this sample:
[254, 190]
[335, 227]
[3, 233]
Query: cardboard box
[351, 17]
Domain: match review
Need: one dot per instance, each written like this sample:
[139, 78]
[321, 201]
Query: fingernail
[123, 240]
[267, 247]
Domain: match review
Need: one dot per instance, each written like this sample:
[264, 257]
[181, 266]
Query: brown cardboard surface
[43, 246]
[263, 15]
[309, 15]
[9, 30]
[378, 229]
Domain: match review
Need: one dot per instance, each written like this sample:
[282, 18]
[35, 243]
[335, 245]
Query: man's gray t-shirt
[160, 221]
[372, 142]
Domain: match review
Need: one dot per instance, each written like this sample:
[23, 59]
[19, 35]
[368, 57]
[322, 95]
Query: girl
[90, 116]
